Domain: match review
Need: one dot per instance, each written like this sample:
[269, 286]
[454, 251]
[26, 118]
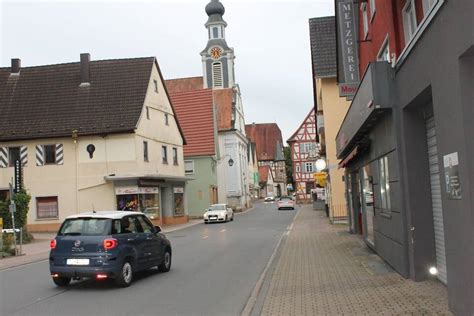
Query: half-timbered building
[304, 152]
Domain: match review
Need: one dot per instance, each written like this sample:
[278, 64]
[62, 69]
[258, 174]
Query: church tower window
[217, 75]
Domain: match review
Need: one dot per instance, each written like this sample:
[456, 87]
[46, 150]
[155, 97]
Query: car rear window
[86, 227]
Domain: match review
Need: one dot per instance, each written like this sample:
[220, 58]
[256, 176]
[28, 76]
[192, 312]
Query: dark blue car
[102, 245]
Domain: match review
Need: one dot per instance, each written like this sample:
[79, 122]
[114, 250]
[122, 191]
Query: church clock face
[216, 52]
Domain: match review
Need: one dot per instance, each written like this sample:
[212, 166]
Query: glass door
[368, 204]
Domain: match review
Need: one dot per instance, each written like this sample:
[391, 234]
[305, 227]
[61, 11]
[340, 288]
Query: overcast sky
[270, 38]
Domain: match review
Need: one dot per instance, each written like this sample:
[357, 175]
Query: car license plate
[77, 262]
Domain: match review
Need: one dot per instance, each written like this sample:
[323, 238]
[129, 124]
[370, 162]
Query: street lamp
[230, 161]
[321, 164]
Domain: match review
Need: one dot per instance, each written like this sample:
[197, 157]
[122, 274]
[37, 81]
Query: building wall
[334, 111]
[199, 190]
[440, 72]
[233, 180]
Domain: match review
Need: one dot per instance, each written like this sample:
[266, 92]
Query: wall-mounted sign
[135, 190]
[178, 190]
[348, 42]
[451, 174]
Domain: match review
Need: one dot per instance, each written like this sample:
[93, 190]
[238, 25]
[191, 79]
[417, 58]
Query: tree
[22, 201]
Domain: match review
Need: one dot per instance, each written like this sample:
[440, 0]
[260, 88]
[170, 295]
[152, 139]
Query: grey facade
[432, 97]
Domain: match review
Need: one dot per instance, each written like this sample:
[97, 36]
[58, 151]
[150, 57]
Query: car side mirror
[157, 229]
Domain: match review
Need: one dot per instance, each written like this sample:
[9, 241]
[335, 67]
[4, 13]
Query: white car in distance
[218, 213]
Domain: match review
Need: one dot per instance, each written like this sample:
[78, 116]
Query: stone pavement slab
[323, 270]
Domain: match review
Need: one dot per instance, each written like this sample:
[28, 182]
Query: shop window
[368, 203]
[13, 155]
[139, 199]
[178, 193]
[309, 187]
[384, 183]
[189, 166]
[47, 207]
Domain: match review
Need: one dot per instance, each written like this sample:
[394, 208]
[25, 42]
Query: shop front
[367, 147]
[161, 199]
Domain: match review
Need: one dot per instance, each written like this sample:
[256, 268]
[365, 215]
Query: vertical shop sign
[451, 174]
[348, 44]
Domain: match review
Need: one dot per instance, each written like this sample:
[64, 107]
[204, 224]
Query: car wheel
[206, 222]
[62, 281]
[165, 265]
[125, 276]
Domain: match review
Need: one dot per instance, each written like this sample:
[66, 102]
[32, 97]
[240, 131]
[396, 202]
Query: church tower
[217, 57]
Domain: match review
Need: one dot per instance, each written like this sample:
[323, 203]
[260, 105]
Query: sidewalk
[323, 270]
[39, 249]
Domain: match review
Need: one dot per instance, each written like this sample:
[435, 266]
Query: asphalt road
[214, 270]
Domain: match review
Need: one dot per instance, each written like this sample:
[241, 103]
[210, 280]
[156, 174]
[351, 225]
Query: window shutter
[59, 154]
[39, 155]
[217, 75]
[3, 157]
[24, 155]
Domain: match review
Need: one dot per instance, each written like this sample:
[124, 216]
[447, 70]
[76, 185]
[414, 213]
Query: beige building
[94, 135]
[331, 109]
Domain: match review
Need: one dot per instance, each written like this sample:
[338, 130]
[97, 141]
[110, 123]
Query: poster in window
[128, 202]
[451, 175]
[178, 201]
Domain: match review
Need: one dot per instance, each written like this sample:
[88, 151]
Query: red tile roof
[184, 84]
[266, 137]
[196, 116]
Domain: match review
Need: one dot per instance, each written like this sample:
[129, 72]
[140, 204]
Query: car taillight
[110, 243]
[52, 244]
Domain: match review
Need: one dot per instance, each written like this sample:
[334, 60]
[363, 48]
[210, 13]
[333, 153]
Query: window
[47, 207]
[145, 151]
[427, 6]
[13, 155]
[363, 8]
[372, 9]
[409, 20]
[189, 166]
[86, 226]
[49, 154]
[384, 53]
[298, 169]
[217, 81]
[308, 167]
[384, 182]
[147, 113]
[215, 32]
[4, 195]
[164, 154]
[167, 122]
[307, 147]
[175, 156]
[155, 83]
[145, 225]
[309, 187]
[128, 225]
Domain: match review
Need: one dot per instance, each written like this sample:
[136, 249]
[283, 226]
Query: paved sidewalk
[323, 270]
[39, 249]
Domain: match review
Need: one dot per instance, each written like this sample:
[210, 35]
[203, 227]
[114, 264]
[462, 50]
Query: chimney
[85, 69]
[16, 66]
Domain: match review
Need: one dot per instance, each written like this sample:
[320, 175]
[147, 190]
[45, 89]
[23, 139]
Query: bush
[22, 201]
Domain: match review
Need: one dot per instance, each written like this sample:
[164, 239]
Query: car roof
[104, 214]
[221, 204]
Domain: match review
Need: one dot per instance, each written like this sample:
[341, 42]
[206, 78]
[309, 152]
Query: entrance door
[436, 199]
[350, 204]
[368, 204]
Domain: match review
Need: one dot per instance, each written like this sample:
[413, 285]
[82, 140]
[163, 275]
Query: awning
[349, 157]
[156, 177]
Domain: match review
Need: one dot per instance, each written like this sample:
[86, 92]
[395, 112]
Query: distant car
[218, 213]
[103, 245]
[152, 212]
[286, 202]
[270, 198]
